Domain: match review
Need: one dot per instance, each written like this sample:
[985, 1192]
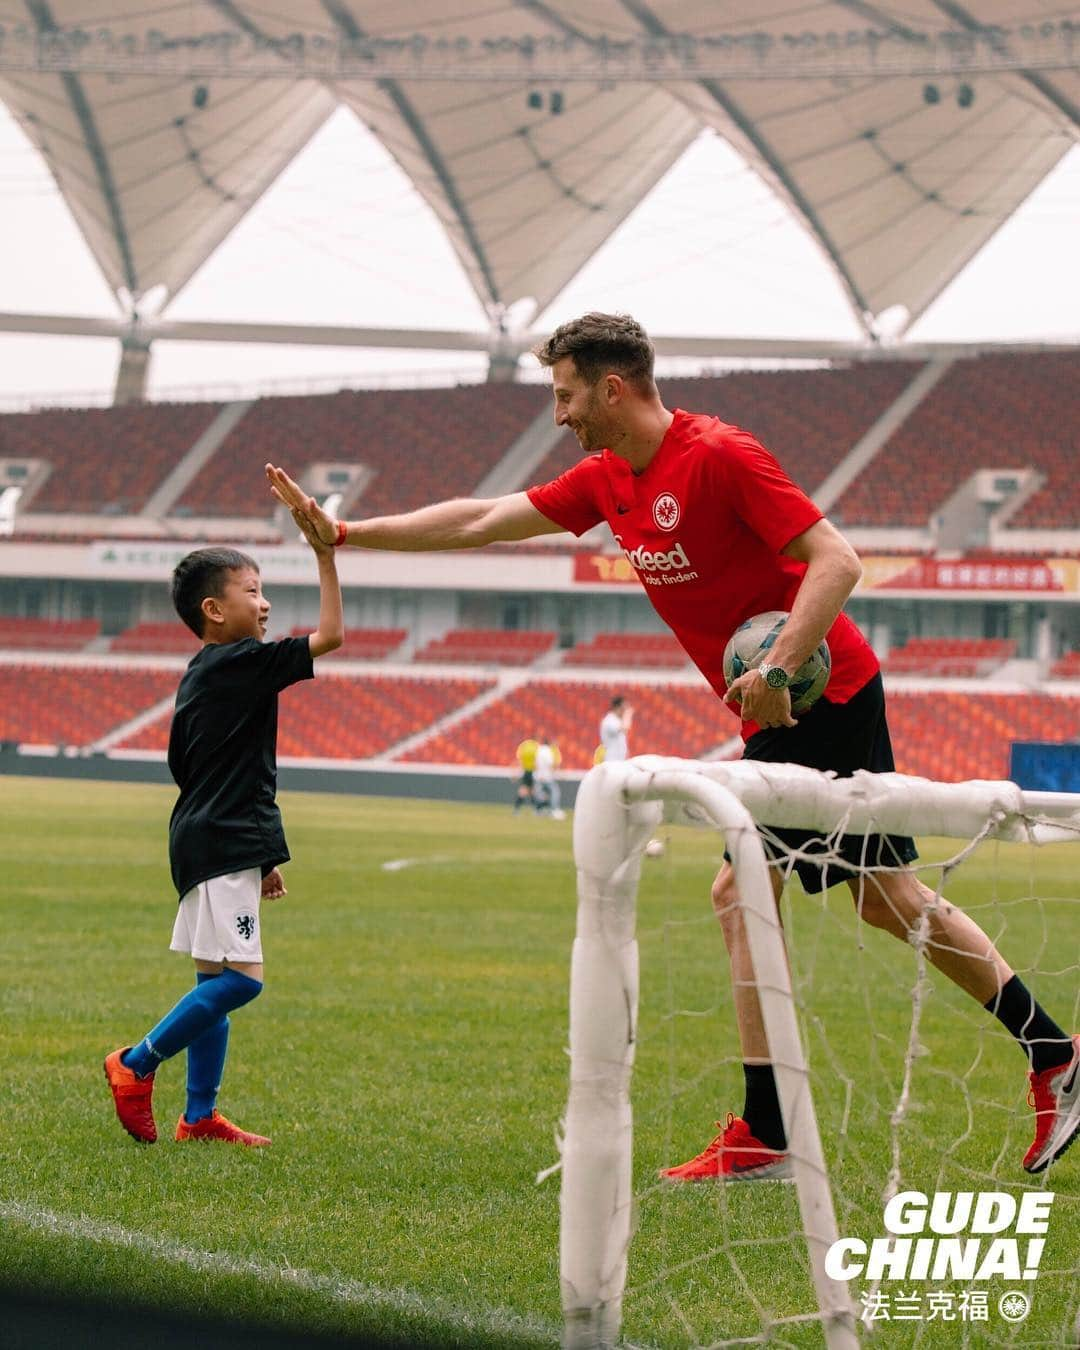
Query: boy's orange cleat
[131, 1097]
[734, 1155]
[217, 1127]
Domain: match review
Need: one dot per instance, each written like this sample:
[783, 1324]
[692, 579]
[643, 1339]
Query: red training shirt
[703, 526]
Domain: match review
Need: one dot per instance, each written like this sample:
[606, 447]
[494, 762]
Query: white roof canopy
[901, 152]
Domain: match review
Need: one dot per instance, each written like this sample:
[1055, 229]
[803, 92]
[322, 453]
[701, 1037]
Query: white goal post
[618, 808]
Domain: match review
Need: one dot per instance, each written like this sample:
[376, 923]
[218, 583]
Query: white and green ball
[751, 643]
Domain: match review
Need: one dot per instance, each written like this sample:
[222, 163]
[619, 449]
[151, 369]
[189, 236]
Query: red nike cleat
[734, 1155]
[131, 1097]
[1055, 1095]
[217, 1127]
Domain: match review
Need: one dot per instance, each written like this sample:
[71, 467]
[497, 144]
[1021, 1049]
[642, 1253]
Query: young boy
[225, 834]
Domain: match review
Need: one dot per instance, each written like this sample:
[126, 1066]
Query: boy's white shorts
[218, 920]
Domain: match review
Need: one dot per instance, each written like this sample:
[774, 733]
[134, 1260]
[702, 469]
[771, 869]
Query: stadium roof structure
[901, 137]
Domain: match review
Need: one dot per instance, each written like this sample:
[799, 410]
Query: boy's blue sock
[196, 1012]
[205, 1062]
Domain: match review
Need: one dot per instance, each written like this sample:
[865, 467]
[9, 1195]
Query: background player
[717, 532]
[615, 729]
[225, 835]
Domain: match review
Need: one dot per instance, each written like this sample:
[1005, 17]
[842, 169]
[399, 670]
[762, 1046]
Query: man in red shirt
[717, 532]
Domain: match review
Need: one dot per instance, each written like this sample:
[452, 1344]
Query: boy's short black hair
[204, 572]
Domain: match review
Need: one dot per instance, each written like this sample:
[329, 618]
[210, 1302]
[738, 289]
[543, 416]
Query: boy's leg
[218, 924]
[206, 1059]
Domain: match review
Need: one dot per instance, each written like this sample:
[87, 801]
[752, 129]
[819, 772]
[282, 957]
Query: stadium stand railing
[648, 651]
[488, 646]
[56, 635]
[952, 657]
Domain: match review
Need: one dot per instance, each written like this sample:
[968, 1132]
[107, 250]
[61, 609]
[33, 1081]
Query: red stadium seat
[1001, 411]
[55, 635]
[809, 419]
[74, 705]
[104, 459]
[488, 646]
[422, 444]
[685, 720]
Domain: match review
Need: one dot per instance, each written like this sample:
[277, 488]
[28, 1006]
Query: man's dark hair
[202, 573]
[618, 701]
[601, 344]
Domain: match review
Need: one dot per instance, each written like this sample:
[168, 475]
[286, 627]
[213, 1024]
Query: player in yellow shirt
[526, 758]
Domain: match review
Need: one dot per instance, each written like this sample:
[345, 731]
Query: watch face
[776, 677]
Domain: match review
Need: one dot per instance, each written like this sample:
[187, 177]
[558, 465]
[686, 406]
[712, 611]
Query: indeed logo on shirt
[643, 559]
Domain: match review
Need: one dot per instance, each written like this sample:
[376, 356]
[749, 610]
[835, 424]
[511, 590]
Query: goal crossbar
[618, 808]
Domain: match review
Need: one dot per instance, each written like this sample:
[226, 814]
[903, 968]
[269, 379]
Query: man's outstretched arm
[462, 523]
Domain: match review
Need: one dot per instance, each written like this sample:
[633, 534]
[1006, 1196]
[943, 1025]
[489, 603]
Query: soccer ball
[655, 848]
[750, 644]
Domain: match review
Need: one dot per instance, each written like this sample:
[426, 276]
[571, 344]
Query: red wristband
[342, 533]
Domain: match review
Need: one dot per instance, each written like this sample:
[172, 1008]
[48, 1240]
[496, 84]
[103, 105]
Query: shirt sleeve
[274, 665]
[572, 500]
[760, 492]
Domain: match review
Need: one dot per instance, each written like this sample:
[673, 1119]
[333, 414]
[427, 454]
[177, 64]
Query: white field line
[496, 1322]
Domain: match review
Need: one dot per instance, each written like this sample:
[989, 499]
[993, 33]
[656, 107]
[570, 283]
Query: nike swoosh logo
[753, 1167]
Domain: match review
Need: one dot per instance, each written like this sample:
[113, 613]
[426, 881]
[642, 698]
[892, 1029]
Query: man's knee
[725, 901]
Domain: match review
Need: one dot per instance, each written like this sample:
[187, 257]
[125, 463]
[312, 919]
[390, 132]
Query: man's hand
[307, 529]
[290, 494]
[758, 703]
[273, 885]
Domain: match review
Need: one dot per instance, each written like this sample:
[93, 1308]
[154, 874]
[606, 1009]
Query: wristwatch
[776, 677]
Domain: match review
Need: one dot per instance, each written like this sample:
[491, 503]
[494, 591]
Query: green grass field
[407, 1056]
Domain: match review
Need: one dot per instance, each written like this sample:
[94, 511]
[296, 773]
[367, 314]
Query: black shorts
[842, 737]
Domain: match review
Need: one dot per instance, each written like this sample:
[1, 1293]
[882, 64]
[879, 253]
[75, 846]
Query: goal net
[892, 1083]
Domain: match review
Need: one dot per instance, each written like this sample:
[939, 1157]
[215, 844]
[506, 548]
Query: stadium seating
[145, 637]
[104, 459]
[685, 720]
[1066, 667]
[629, 651]
[423, 444]
[55, 635]
[990, 412]
[344, 717]
[362, 644]
[956, 657]
[953, 736]
[74, 705]
[488, 646]
[809, 419]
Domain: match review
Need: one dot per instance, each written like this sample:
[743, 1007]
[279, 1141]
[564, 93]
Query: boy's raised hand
[291, 494]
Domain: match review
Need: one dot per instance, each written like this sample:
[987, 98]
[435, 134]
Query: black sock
[762, 1109]
[1040, 1037]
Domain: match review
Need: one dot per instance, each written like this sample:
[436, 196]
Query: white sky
[343, 237]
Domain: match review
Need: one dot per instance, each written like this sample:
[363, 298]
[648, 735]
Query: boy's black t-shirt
[223, 756]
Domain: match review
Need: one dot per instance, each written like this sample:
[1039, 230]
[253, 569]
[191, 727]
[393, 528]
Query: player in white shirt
[614, 726]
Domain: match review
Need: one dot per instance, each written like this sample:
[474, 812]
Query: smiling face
[240, 611]
[587, 409]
